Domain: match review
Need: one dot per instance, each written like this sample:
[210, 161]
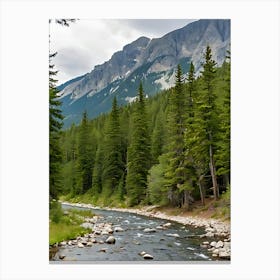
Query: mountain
[151, 60]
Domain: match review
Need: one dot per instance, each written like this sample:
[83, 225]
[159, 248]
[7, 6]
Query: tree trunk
[213, 173]
[186, 204]
[201, 190]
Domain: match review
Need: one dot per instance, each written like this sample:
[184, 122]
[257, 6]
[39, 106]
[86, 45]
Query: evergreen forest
[172, 149]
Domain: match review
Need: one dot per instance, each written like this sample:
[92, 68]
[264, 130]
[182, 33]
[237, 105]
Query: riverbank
[213, 227]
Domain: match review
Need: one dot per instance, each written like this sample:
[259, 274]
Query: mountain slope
[151, 60]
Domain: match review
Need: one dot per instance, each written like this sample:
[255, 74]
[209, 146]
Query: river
[176, 243]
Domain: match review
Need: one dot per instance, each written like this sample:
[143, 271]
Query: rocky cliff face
[151, 60]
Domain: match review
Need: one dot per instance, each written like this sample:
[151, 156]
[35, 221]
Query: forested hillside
[171, 149]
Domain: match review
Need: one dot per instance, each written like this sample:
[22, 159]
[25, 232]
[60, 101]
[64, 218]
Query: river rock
[118, 229]
[61, 256]
[104, 232]
[80, 245]
[148, 257]
[142, 253]
[160, 227]
[216, 251]
[167, 225]
[213, 243]
[89, 244]
[205, 243]
[219, 244]
[214, 255]
[63, 243]
[111, 240]
[149, 230]
[97, 232]
[209, 229]
[173, 234]
[203, 246]
[103, 250]
[101, 242]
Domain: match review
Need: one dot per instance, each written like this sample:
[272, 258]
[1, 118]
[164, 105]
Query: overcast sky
[87, 43]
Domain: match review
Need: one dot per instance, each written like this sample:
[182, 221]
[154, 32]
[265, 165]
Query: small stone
[173, 234]
[101, 242]
[149, 230]
[219, 244]
[203, 246]
[61, 257]
[142, 253]
[214, 255]
[167, 225]
[119, 229]
[216, 251]
[63, 243]
[103, 250]
[70, 243]
[80, 245]
[213, 243]
[89, 244]
[160, 227]
[148, 257]
[97, 232]
[111, 240]
[104, 232]
[205, 243]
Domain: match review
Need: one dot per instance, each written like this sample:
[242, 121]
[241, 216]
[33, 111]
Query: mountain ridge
[151, 60]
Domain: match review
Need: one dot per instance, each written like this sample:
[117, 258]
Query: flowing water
[176, 243]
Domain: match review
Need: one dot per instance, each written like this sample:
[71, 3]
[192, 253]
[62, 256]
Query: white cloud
[87, 43]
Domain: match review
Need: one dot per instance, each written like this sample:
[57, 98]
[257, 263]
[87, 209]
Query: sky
[89, 42]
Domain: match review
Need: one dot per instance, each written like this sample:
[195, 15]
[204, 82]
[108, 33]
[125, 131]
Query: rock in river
[80, 245]
[149, 230]
[111, 240]
[148, 257]
[173, 234]
[118, 229]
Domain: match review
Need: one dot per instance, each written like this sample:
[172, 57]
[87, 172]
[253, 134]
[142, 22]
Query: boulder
[149, 230]
[219, 244]
[167, 225]
[173, 234]
[118, 229]
[61, 256]
[213, 243]
[111, 240]
[216, 251]
[148, 257]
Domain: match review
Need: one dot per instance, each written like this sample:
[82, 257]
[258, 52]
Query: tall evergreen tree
[113, 166]
[97, 172]
[208, 116]
[55, 125]
[85, 155]
[223, 150]
[179, 187]
[138, 156]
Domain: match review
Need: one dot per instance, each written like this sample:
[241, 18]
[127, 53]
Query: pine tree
[179, 187]
[208, 116]
[158, 137]
[55, 125]
[97, 172]
[223, 150]
[138, 157]
[113, 166]
[85, 155]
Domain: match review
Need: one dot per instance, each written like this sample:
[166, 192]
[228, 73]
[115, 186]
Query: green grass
[65, 227]
[60, 232]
